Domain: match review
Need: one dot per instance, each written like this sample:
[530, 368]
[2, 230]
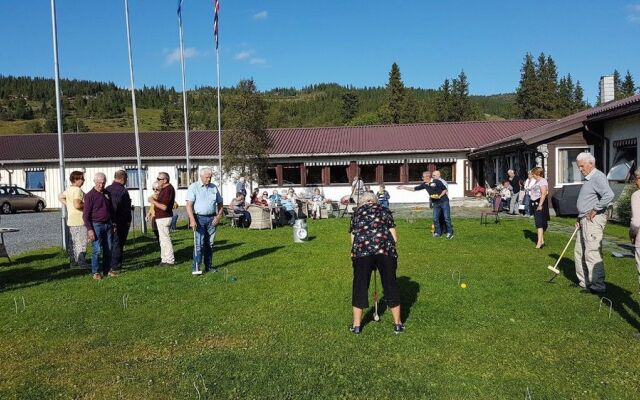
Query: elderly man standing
[241, 186]
[514, 180]
[73, 198]
[96, 215]
[438, 195]
[121, 217]
[593, 200]
[163, 208]
[204, 207]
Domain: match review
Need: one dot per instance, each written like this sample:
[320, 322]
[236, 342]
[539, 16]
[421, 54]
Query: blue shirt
[205, 198]
[288, 205]
[435, 187]
[241, 188]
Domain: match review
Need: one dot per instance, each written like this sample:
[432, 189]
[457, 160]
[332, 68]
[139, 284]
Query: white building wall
[619, 129]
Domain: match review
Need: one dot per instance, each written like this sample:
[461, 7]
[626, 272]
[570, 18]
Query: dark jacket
[120, 204]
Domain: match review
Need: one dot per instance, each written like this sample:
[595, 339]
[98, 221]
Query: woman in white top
[540, 203]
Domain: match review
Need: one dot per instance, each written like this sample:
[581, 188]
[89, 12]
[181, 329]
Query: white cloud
[243, 55]
[261, 15]
[633, 15]
[257, 61]
[173, 56]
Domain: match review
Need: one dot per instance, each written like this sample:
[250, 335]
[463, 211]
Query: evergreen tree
[617, 90]
[409, 113]
[165, 119]
[566, 101]
[528, 92]
[578, 98]
[395, 89]
[349, 105]
[245, 139]
[443, 104]
[548, 81]
[628, 86]
[461, 107]
[51, 122]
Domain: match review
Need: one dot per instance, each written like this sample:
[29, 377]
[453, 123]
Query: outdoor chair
[484, 215]
[260, 217]
[233, 217]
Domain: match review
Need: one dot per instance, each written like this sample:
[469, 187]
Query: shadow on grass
[621, 298]
[19, 278]
[531, 235]
[186, 254]
[34, 257]
[408, 296]
[250, 256]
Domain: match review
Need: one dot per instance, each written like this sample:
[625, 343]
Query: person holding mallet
[204, 208]
[373, 247]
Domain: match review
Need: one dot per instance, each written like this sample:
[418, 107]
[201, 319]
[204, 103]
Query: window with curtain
[183, 181]
[314, 175]
[391, 173]
[132, 178]
[368, 173]
[291, 174]
[338, 174]
[416, 170]
[567, 168]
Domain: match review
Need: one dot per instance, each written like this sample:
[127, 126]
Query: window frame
[558, 183]
[44, 180]
[130, 184]
[194, 176]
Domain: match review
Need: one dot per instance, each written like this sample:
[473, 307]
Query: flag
[215, 21]
[179, 8]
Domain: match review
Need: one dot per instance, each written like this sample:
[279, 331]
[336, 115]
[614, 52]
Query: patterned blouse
[370, 226]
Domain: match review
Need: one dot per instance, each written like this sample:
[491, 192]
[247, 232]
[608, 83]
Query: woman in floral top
[373, 238]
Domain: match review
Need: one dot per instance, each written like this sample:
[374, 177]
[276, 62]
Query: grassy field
[280, 329]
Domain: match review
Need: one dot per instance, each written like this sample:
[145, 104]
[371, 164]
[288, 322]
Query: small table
[3, 248]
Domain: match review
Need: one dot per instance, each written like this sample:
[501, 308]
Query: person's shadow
[408, 296]
[621, 299]
[531, 235]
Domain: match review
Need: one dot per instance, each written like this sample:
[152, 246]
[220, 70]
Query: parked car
[14, 198]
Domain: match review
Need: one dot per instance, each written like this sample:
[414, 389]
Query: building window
[183, 181]
[416, 170]
[132, 178]
[34, 180]
[623, 164]
[338, 174]
[391, 173]
[291, 174]
[368, 173]
[314, 175]
[272, 176]
[567, 167]
[447, 171]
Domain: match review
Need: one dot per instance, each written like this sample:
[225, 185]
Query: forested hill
[27, 105]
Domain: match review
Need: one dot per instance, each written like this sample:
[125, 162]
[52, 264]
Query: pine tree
[461, 107]
[528, 92]
[443, 104]
[578, 98]
[628, 86]
[409, 113]
[617, 90]
[349, 105]
[165, 119]
[548, 80]
[245, 140]
[395, 89]
[566, 102]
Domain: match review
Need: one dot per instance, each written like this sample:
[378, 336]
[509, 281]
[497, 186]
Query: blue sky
[284, 43]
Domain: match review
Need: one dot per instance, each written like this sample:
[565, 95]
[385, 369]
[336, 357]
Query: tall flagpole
[215, 32]
[141, 178]
[184, 95]
[56, 69]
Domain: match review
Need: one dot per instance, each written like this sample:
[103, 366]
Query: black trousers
[117, 246]
[362, 269]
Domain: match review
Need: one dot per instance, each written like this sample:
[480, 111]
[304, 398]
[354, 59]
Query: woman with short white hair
[373, 247]
[635, 222]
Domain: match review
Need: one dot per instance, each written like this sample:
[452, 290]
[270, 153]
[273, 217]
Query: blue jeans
[205, 234]
[442, 208]
[527, 204]
[102, 245]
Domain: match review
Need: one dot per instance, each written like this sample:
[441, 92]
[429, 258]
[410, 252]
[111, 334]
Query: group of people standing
[103, 217]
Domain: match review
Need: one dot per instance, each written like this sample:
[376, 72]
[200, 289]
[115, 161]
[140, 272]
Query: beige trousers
[638, 265]
[166, 248]
[588, 253]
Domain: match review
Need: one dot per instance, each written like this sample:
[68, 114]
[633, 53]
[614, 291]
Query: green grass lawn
[280, 330]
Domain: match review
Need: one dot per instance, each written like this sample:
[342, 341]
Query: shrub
[623, 205]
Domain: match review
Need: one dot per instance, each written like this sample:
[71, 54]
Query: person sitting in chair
[239, 209]
[289, 208]
[316, 203]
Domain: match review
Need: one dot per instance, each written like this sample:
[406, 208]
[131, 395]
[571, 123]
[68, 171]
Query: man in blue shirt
[241, 186]
[204, 207]
[438, 195]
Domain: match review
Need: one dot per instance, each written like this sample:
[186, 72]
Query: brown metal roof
[416, 138]
[564, 126]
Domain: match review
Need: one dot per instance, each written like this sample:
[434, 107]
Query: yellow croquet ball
[463, 285]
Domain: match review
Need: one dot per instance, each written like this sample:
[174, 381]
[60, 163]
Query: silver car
[13, 198]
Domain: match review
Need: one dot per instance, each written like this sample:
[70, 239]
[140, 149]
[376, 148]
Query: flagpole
[215, 28]
[56, 68]
[184, 95]
[141, 178]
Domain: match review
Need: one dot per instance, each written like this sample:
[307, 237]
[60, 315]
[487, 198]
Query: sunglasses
[159, 179]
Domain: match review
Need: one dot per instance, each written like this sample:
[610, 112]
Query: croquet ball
[463, 285]
[233, 278]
